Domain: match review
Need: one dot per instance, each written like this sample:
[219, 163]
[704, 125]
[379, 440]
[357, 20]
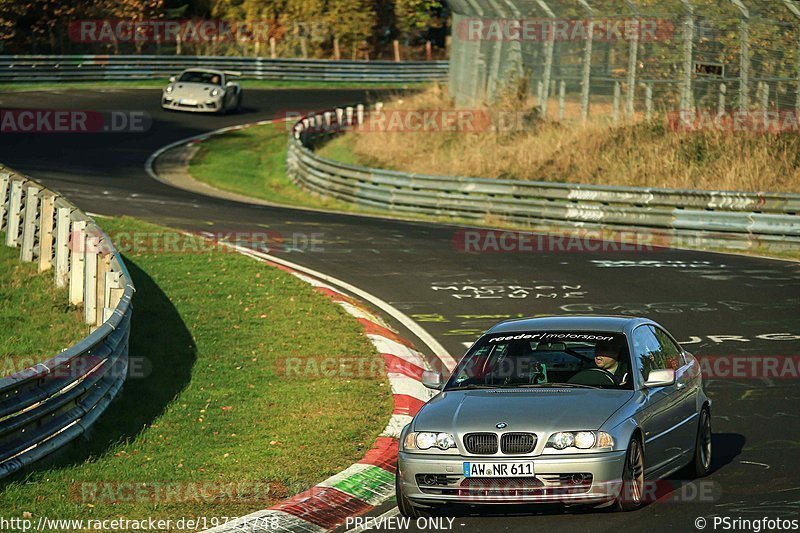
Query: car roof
[200, 69]
[607, 323]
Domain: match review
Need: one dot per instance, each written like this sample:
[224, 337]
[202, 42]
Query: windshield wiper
[468, 387]
[558, 385]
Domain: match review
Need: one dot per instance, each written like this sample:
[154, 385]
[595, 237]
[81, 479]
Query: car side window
[672, 353]
[648, 352]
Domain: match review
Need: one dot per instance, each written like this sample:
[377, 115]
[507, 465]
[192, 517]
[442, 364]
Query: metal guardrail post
[61, 255]
[14, 206]
[29, 223]
[46, 231]
[5, 178]
[76, 261]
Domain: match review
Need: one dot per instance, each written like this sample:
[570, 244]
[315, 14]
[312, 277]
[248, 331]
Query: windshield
[194, 76]
[542, 359]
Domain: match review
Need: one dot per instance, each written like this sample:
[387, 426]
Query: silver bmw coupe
[588, 410]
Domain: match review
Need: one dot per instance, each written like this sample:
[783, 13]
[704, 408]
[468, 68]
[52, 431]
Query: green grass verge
[36, 319]
[246, 84]
[252, 161]
[214, 328]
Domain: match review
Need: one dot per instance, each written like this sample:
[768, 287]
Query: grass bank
[211, 412]
[36, 319]
[252, 161]
[647, 154]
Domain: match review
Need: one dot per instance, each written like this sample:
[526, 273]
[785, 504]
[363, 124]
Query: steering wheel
[593, 376]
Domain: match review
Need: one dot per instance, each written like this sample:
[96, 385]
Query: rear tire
[632, 490]
[701, 464]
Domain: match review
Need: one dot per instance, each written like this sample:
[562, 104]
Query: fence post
[46, 231]
[615, 116]
[29, 223]
[14, 206]
[764, 93]
[76, 264]
[688, 51]
[61, 255]
[562, 93]
[723, 89]
[4, 199]
[396, 48]
[744, 55]
[633, 53]
[587, 62]
[795, 10]
[648, 101]
[273, 48]
[549, 50]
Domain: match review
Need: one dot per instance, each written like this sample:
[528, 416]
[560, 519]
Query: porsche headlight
[215, 92]
[583, 440]
[169, 89]
[425, 440]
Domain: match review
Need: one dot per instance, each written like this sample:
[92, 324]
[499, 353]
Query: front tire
[701, 465]
[632, 490]
[403, 504]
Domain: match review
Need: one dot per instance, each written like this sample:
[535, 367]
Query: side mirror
[660, 378]
[173, 79]
[432, 380]
[230, 84]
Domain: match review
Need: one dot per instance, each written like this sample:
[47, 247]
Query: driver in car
[608, 357]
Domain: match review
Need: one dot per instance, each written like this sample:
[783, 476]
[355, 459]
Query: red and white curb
[369, 482]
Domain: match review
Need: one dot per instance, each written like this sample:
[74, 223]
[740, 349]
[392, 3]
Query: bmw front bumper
[574, 479]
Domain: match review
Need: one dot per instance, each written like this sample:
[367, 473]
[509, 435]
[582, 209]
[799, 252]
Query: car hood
[537, 410]
[198, 91]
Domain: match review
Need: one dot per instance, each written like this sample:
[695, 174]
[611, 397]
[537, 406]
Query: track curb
[369, 482]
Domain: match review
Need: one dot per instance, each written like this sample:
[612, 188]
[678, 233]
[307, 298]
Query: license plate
[187, 101]
[499, 469]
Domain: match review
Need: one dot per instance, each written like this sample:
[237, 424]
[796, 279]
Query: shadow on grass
[160, 340]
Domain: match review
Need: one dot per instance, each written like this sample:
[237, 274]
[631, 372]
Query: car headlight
[215, 92]
[425, 440]
[582, 440]
[169, 89]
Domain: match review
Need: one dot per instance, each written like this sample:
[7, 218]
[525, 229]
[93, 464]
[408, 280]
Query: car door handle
[680, 385]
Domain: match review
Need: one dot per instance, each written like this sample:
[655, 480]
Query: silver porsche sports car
[203, 90]
[578, 410]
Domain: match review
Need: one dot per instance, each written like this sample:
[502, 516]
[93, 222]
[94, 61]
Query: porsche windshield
[542, 359]
[194, 76]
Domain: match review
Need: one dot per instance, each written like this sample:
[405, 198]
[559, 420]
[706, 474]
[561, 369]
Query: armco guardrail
[30, 68]
[712, 215]
[45, 407]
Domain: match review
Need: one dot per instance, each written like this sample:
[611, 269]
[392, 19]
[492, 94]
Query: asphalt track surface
[454, 295]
